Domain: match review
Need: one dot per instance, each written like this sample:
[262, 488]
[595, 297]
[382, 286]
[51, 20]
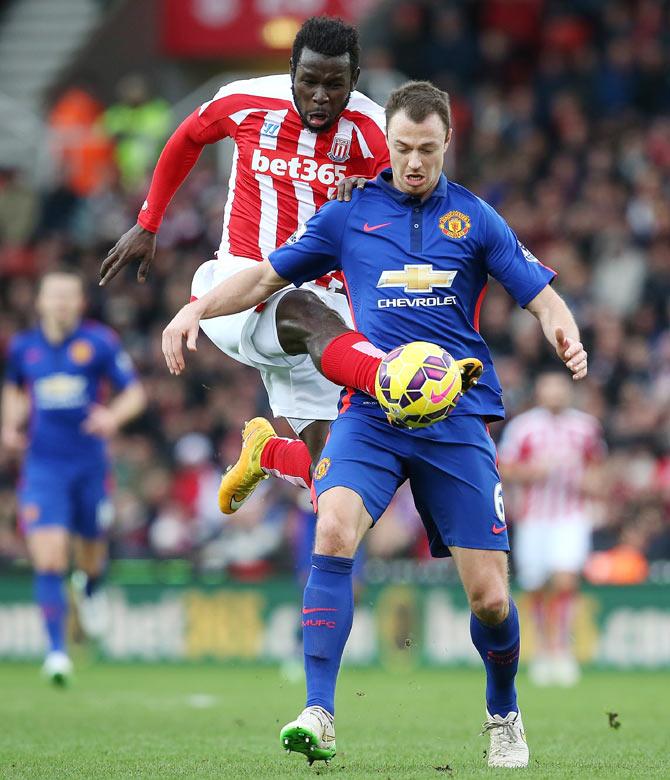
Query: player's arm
[105, 421]
[15, 412]
[560, 330]
[528, 281]
[208, 124]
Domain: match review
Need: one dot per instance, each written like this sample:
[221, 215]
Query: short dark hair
[328, 36]
[419, 99]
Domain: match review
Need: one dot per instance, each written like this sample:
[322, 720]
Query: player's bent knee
[490, 605]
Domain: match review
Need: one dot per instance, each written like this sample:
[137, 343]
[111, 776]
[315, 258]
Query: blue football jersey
[63, 380]
[417, 271]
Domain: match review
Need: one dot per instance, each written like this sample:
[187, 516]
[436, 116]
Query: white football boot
[311, 733]
[57, 667]
[92, 611]
[507, 746]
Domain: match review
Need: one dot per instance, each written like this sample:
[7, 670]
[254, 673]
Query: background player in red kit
[296, 137]
[551, 454]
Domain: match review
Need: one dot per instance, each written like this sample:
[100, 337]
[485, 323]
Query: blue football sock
[499, 649]
[50, 596]
[327, 614]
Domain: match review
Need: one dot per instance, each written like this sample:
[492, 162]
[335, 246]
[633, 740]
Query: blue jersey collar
[385, 181]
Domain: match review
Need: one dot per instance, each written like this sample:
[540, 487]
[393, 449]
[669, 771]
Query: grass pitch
[211, 722]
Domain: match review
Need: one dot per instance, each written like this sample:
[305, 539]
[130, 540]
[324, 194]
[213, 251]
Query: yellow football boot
[241, 479]
[471, 370]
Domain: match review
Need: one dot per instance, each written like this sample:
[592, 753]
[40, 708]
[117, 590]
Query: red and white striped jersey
[568, 442]
[282, 172]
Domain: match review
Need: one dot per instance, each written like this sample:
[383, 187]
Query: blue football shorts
[72, 495]
[452, 474]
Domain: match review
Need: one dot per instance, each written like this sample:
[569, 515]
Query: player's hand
[572, 353]
[136, 244]
[346, 187]
[13, 440]
[184, 325]
[101, 421]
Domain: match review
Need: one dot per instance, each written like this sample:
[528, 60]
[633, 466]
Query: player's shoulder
[459, 194]
[580, 419]
[529, 421]
[23, 339]
[360, 106]
[277, 87]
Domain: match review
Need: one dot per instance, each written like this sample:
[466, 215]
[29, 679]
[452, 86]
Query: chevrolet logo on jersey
[417, 278]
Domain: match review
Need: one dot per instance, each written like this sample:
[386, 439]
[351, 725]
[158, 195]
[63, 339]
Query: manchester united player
[296, 137]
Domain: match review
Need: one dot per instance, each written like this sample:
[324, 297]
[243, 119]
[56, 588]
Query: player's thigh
[93, 512]
[457, 490]
[366, 457]
[569, 547]
[342, 522]
[530, 553]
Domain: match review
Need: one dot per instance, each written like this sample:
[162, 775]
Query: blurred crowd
[562, 122]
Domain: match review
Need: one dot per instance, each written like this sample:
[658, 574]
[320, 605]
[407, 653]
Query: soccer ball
[418, 384]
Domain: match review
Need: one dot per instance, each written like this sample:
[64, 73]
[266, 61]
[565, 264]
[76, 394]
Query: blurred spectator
[81, 151]
[139, 124]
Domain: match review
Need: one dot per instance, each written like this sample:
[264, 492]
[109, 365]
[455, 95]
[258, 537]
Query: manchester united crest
[455, 224]
[339, 151]
[322, 468]
[81, 352]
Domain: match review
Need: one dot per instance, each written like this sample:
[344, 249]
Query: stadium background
[562, 122]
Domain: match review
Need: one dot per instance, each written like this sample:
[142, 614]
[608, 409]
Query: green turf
[209, 722]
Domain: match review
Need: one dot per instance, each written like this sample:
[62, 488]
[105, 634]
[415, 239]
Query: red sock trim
[351, 360]
[287, 459]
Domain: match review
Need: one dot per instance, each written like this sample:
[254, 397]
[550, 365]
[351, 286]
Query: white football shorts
[296, 390]
[542, 548]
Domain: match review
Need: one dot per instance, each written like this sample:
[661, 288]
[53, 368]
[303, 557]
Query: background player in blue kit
[54, 380]
[416, 251]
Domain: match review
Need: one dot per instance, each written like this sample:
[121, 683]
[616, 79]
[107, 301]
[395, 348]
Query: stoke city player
[53, 383]
[296, 137]
[420, 274]
[551, 454]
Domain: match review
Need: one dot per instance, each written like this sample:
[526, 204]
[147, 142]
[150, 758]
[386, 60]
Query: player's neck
[56, 332]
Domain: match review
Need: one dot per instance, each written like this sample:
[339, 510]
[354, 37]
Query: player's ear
[354, 78]
[447, 140]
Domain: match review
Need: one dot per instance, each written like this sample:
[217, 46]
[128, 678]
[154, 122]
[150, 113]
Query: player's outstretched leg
[263, 454]
[498, 646]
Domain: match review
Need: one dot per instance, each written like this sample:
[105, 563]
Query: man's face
[61, 300]
[321, 88]
[554, 391]
[417, 152]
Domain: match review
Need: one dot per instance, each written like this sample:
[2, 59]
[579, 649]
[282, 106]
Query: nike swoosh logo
[235, 504]
[498, 529]
[436, 398]
[369, 228]
[308, 610]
